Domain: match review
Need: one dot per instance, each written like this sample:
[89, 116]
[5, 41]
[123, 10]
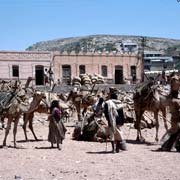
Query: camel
[15, 106]
[43, 101]
[95, 129]
[28, 116]
[81, 101]
[149, 98]
[6, 91]
[14, 111]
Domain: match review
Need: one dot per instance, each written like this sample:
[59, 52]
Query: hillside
[102, 43]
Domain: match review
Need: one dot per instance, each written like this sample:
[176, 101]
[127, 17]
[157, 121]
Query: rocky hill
[109, 43]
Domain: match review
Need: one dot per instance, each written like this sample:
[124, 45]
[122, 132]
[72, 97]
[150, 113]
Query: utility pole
[143, 42]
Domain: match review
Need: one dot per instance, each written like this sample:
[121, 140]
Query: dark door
[118, 75]
[66, 74]
[39, 75]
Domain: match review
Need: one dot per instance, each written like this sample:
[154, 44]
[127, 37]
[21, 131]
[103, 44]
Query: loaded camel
[18, 103]
[12, 106]
[81, 101]
[147, 97]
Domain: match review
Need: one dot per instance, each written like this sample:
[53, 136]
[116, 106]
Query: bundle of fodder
[85, 79]
[76, 81]
[98, 79]
[94, 79]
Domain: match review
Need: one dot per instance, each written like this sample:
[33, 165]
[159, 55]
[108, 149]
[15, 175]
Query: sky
[25, 22]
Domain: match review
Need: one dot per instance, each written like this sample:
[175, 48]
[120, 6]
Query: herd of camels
[18, 100]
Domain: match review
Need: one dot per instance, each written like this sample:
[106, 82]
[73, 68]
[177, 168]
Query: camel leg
[31, 126]
[3, 126]
[165, 118]
[2, 122]
[157, 125]
[25, 118]
[137, 125]
[7, 130]
[72, 110]
[78, 109]
[15, 129]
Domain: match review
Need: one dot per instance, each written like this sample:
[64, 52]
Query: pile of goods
[85, 79]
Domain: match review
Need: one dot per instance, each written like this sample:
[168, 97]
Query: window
[133, 73]
[133, 70]
[15, 71]
[82, 69]
[66, 74]
[104, 71]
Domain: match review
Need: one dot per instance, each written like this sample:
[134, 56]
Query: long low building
[116, 68]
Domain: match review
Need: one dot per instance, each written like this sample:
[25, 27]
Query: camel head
[35, 101]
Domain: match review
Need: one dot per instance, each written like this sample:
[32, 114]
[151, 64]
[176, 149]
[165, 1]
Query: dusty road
[85, 160]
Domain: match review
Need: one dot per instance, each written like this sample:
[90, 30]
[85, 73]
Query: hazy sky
[25, 22]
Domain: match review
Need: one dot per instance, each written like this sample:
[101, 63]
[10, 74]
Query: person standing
[57, 129]
[51, 79]
[173, 134]
[115, 118]
[133, 78]
[174, 83]
[163, 79]
[46, 79]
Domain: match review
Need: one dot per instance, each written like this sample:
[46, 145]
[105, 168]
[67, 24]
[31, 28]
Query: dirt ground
[85, 160]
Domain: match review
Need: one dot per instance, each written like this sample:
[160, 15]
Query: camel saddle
[5, 100]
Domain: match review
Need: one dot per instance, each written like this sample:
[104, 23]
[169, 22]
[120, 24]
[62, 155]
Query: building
[116, 68]
[21, 65]
[129, 46]
[156, 61]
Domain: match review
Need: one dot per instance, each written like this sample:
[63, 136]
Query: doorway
[39, 75]
[118, 75]
[66, 74]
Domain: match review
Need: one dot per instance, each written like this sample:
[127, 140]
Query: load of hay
[87, 80]
[76, 81]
